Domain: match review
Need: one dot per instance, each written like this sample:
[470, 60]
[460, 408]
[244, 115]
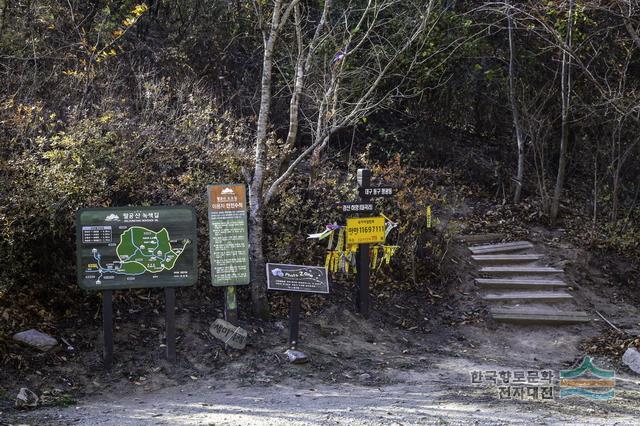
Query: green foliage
[116, 103]
[112, 157]
[622, 236]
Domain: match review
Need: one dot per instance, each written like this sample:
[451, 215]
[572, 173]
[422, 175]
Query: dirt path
[409, 364]
[439, 394]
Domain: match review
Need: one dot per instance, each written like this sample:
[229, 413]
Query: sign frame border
[78, 229]
[297, 291]
[247, 225]
[363, 218]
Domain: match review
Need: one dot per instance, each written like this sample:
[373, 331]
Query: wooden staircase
[518, 288]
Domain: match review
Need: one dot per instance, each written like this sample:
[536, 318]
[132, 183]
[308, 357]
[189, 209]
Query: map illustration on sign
[136, 247]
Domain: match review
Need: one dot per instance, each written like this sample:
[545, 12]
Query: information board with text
[297, 278]
[365, 230]
[228, 235]
[136, 247]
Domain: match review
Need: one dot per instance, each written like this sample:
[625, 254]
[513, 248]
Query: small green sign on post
[228, 241]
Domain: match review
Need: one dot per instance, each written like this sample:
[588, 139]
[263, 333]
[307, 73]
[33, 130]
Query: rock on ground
[632, 359]
[36, 339]
[296, 357]
[26, 399]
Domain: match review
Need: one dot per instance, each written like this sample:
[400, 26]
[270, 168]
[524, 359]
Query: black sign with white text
[355, 207]
[377, 191]
[299, 278]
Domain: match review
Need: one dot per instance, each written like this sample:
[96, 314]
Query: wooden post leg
[363, 280]
[107, 327]
[230, 305]
[294, 320]
[362, 261]
[170, 322]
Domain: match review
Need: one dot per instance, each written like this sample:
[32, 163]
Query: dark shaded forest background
[112, 103]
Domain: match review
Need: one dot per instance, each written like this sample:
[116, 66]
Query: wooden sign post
[107, 328]
[362, 257]
[228, 242]
[170, 321]
[136, 247]
[363, 231]
[296, 279]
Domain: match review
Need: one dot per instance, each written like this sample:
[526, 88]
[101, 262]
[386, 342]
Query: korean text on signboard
[229, 245]
[378, 191]
[136, 247]
[298, 278]
[355, 207]
[365, 230]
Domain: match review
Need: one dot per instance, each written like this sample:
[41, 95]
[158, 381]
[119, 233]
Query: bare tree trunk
[516, 116]
[294, 103]
[256, 235]
[617, 159]
[303, 65]
[615, 194]
[595, 187]
[256, 203]
[627, 20]
[326, 124]
[566, 98]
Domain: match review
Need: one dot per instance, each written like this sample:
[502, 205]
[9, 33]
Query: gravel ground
[441, 394]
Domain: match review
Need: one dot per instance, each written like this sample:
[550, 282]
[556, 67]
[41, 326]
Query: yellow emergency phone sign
[365, 230]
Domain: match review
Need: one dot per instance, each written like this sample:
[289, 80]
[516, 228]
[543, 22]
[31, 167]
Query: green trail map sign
[228, 235]
[136, 247]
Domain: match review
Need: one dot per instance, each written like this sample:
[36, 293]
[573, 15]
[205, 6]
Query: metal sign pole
[107, 327]
[170, 322]
[294, 319]
[230, 305]
[362, 259]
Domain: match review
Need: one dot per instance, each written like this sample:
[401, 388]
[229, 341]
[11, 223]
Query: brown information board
[228, 235]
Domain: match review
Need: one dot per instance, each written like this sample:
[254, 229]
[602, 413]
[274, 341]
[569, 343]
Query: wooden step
[520, 270]
[500, 248]
[507, 258]
[528, 296]
[478, 238]
[518, 283]
[526, 315]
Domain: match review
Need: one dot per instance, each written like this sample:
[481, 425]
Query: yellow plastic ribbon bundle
[331, 241]
[352, 249]
[374, 256]
[328, 260]
[340, 242]
[428, 216]
[389, 251]
[342, 257]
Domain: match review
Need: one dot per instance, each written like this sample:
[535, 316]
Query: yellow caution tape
[374, 256]
[340, 239]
